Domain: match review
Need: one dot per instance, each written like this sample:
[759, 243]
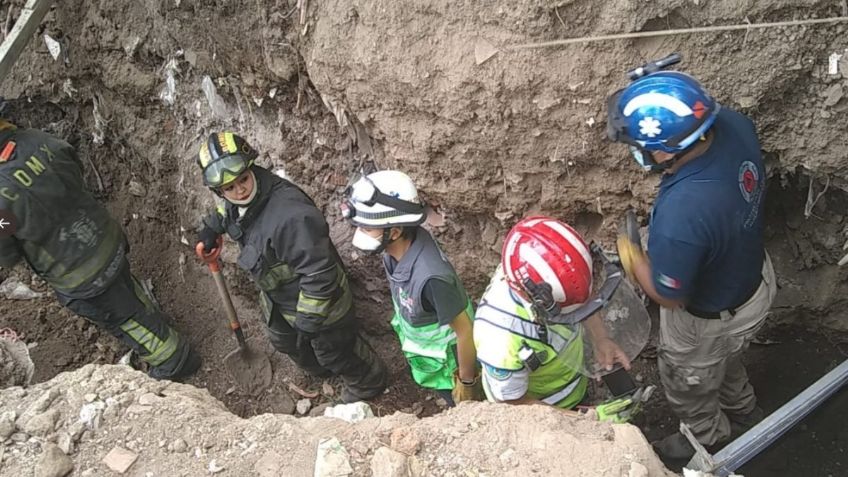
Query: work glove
[624, 409]
[209, 238]
[462, 391]
[629, 243]
[542, 297]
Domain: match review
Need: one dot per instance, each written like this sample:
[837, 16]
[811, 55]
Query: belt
[716, 315]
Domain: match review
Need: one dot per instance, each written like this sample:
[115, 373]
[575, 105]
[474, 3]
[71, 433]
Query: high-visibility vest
[428, 346]
[504, 324]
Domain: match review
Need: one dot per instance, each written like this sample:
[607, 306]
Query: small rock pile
[112, 420]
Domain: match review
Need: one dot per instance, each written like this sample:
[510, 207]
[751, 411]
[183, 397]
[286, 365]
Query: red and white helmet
[545, 249]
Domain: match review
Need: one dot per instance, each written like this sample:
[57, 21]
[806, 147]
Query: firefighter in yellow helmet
[286, 248]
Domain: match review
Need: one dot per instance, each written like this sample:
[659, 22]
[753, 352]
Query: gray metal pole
[759, 437]
[31, 16]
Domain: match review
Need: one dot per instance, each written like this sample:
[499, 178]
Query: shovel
[250, 369]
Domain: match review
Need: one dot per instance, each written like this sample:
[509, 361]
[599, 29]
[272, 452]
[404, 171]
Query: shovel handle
[211, 260]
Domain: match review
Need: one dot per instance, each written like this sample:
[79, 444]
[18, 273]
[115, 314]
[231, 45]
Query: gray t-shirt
[443, 299]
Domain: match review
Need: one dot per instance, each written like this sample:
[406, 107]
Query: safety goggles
[224, 170]
[364, 192]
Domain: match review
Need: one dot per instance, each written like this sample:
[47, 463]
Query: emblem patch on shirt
[498, 373]
[748, 180]
[406, 301]
[668, 281]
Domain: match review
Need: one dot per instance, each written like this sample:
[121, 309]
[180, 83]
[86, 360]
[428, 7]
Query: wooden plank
[14, 44]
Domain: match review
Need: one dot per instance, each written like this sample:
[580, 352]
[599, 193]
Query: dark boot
[674, 447]
[188, 363]
[377, 378]
[740, 423]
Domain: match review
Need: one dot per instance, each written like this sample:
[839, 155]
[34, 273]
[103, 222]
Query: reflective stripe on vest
[522, 327]
[563, 393]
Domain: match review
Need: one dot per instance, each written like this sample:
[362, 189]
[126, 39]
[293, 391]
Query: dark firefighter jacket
[65, 235]
[286, 248]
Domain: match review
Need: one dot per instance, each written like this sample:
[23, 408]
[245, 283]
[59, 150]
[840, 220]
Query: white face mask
[366, 243]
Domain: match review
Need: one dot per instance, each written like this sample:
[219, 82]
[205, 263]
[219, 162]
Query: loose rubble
[184, 431]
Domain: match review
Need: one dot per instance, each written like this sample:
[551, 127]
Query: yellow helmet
[223, 157]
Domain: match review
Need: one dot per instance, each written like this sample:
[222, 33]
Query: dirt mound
[176, 429]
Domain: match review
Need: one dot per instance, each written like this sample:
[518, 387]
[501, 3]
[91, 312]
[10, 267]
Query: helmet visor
[224, 170]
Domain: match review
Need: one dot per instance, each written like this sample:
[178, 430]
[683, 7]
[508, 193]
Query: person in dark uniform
[71, 241]
[706, 264]
[286, 249]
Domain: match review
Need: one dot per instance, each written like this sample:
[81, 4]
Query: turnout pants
[337, 350]
[700, 362]
[125, 310]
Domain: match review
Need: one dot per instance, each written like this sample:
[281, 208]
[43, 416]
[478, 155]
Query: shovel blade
[250, 369]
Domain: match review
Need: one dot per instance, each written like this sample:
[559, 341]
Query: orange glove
[629, 243]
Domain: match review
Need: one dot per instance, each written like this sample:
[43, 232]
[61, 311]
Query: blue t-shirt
[706, 230]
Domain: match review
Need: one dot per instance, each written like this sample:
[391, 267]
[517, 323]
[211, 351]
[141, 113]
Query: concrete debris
[483, 50]
[353, 412]
[53, 462]
[14, 289]
[53, 46]
[328, 389]
[332, 459]
[637, 470]
[168, 94]
[16, 366]
[149, 399]
[137, 189]
[178, 445]
[213, 467]
[120, 459]
[41, 424]
[303, 406]
[7, 424]
[269, 465]
[833, 94]
[389, 463]
[131, 45]
[405, 440]
[833, 63]
[65, 442]
[90, 414]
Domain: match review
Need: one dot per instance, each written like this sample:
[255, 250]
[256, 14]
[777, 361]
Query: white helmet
[382, 200]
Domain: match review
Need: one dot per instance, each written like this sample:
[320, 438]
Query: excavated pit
[489, 143]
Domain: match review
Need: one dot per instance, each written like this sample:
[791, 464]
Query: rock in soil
[303, 406]
[389, 463]
[53, 462]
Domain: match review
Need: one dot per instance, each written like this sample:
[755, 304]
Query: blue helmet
[664, 111]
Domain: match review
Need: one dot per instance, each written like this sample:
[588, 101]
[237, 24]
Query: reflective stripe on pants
[125, 311]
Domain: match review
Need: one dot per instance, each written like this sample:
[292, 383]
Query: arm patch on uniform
[497, 373]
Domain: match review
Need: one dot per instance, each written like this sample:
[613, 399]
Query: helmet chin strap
[250, 198]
